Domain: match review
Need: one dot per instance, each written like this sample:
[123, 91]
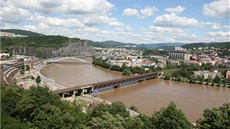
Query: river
[147, 96]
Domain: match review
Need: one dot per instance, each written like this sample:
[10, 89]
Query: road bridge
[67, 60]
[116, 83]
[6, 74]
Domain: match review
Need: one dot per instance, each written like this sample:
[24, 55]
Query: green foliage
[21, 32]
[9, 98]
[118, 108]
[216, 45]
[170, 118]
[115, 108]
[126, 72]
[154, 60]
[147, 121]
[37, 107]
[38, 79]
[116, 68]
[134, 70]
[101, 63]
[216, 118]
[154, 52]
[36, 41]
[107, 121]
[8, 122]
[134, 108]
[134, 123]
[167, 75]
[217, 79]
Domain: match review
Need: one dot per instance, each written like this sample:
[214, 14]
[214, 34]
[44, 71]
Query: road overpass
[6, 74]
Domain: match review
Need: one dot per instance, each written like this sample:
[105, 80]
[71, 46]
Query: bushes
[125, 70]
[37, 107]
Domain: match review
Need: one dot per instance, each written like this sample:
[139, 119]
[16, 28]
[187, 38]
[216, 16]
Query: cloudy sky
[136, 21]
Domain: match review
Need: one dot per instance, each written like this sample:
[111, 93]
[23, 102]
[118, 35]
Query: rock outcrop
[75, 49]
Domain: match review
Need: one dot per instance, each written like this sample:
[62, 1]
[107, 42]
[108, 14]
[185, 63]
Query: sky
[128, 21]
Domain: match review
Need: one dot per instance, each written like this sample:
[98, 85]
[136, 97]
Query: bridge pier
[63, 95]
[116, 86]
[86, 89]
[74, 94]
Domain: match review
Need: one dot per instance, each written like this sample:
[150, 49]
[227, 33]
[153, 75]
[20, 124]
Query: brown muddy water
[147, 96]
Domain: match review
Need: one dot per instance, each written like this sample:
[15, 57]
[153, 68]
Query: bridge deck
[106, 82]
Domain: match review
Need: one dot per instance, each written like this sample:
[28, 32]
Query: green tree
[38, 79]
[107, 121]
[147, 121]
[170, 118]
[216, 118]
[27, 67]
[49, 116]
[118, 108]
[10, 96]
[8, 122]
[134, 108]
[32, 101]
[167, 75]
[134, 123]
[217, 79]
[126, 72]
[22, 71]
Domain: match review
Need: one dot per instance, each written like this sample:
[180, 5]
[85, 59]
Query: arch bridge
[64, 60]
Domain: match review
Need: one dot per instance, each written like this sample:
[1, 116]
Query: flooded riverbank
[148, 96]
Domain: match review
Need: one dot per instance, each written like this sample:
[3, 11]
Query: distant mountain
[21, 32]
[162, 45]
[216, 45]
[107, 44]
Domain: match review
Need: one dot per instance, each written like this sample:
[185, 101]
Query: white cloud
[222, 36]
[216, 27]
[172, 20]
[143, 13]
[219, 33]
[147, 12]
[54, 21]
[10, 14]
[96, 20]
[178, 9]
[130, 12]
[217, 8]
[74, 7]
[166, 29]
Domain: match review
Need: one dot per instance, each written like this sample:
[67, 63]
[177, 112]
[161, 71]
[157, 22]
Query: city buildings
[179, 55]
[228, 75]
[207, 74]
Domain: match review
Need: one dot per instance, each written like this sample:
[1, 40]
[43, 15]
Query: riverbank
[147, 96]
[183, 79]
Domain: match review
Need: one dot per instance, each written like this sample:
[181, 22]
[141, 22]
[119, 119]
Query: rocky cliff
[75, 49]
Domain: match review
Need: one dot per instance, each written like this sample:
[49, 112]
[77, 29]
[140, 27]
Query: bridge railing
[111, 82]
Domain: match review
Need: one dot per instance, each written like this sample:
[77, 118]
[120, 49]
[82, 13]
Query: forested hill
[216, 45]
[21, 32]
[37, 41]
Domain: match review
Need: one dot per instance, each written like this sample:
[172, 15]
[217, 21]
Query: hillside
[41, 46]
[36, 41]
[107, 44]
[162, 45]
[216, 45]
[21, 32]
